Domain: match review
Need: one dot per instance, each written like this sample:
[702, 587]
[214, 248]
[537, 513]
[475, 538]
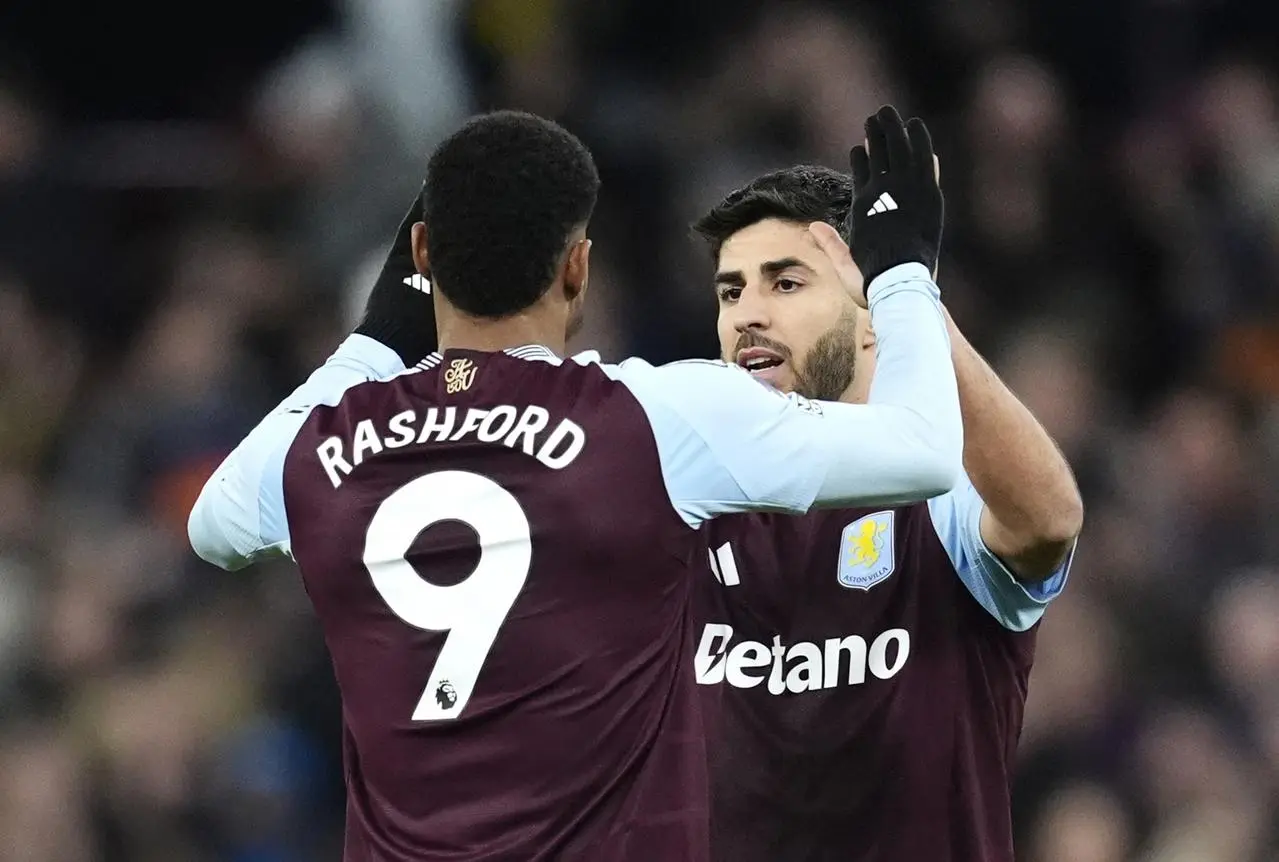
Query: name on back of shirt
[524, 428]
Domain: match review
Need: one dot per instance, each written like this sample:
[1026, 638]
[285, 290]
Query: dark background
[193, 201]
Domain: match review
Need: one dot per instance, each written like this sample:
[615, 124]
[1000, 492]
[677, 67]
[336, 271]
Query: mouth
[758, 360]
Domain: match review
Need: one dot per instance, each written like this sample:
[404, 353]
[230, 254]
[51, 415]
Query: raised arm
[1032, 509]
[731, 444]
[239, 516]
[1010, 525]
[755, 449]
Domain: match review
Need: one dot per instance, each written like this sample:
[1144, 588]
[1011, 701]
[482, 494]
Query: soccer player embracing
[865, 670]
[503, 546]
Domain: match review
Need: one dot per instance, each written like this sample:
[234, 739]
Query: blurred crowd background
[193, 202]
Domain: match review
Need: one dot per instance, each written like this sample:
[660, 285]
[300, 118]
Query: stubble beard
[831, 363]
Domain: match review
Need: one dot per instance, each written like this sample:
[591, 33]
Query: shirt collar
[529, 352]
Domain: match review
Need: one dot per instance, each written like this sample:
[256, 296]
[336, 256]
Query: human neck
[459, 332]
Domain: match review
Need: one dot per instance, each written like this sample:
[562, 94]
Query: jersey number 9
[472, 612]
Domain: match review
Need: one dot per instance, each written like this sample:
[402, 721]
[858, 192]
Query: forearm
[1033, 509]
[908, 437]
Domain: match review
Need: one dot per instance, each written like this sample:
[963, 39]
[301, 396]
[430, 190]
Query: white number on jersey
[471, 612]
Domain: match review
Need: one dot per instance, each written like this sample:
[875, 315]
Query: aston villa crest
[866, 551]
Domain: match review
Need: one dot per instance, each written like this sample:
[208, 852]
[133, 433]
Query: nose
[750, 312]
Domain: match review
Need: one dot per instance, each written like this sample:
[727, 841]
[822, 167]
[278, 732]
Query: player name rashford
[504, 425]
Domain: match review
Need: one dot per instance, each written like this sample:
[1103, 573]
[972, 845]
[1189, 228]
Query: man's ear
[420, 259]
[577, 270]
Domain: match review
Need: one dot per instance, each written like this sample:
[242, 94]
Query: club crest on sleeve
[866, 551]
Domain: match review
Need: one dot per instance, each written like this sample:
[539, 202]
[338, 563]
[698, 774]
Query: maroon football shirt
[527, 701]
[861, 705]
[502, 557]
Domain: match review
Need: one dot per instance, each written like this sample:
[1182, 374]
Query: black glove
[400, 313]
[897, 209]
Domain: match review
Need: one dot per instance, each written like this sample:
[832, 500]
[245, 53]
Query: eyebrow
[769, 269]
[775, 267]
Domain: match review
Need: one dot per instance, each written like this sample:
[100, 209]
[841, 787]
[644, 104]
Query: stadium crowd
[167, 274]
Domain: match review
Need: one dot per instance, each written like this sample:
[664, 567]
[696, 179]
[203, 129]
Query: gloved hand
[400, 312]
[898, 209]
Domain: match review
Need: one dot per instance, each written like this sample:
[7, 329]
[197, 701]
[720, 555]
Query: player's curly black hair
[502, 195]
[805, 193]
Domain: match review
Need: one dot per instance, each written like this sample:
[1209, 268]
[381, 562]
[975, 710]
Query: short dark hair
[803, 194]
[502, 195]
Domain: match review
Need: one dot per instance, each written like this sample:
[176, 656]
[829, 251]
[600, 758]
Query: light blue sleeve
[728, 443]
[239, 517]
[698, 474]
[1017, 606]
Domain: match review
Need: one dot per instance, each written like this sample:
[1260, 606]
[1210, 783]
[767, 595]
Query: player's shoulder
[637, 367]
[377, 387]
[722, 376]
[713, 392]
[667, 382]
[335, 386]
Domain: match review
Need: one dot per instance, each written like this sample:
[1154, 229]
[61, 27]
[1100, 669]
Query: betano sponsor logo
[798, 667]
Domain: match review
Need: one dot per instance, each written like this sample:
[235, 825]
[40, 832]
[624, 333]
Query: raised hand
[400, 312]
[898, 209]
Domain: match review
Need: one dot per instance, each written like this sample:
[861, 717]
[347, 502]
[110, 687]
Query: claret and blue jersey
[543, 705]
[863, 676]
